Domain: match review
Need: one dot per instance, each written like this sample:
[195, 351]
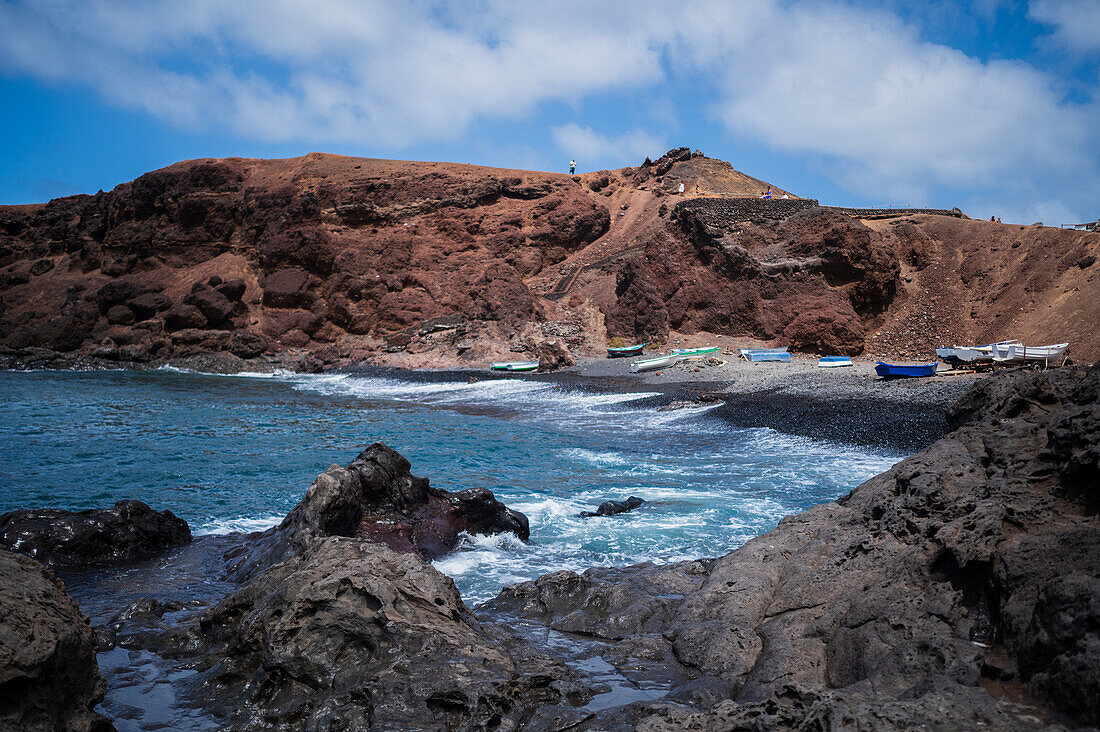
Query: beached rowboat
[756, 356]
[652, 364]
[957, 355]
[626, 351]
[900, 371]
[514, 365]
[696, 352]
[760, 354]
[831, 362]
[1022, 353]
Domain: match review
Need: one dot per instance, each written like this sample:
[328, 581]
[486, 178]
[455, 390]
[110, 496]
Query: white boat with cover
[652, 364]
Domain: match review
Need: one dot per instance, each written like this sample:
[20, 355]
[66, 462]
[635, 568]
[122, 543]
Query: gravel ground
[849, 405]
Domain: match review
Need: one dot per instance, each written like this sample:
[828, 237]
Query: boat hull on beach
[626, 351]
[1019, 353]
[697, 352]
[652, 364]
[756, 355]
[832, 362]
[905, 371]
[514, 365]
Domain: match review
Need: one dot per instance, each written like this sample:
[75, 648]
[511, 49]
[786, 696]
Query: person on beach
[767, 194]
[572, 167]
[680, 190]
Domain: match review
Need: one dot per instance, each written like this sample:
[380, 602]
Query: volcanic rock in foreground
[349, 634]
[966, 576]
[49, 679]
[339, 623]
[71, 539]
[376, 497]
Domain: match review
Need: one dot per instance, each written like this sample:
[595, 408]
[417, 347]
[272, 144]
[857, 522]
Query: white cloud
[1076, 23]
[896, 114]
[596, 151]
[890, 115]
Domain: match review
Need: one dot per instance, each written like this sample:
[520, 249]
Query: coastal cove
[235, 453]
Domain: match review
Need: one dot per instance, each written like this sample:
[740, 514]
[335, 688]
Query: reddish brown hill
[329, 259]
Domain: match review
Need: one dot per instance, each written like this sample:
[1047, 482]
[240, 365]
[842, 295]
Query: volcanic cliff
[325, 259]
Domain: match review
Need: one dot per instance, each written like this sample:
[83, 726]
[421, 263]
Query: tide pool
[235, 453]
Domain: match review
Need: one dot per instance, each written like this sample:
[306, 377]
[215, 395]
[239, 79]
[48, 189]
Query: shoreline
[849, 405]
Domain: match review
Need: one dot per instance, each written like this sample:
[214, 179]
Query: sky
[991, 105]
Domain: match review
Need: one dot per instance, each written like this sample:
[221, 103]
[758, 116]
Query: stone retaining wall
[889, 213]
[718, 211]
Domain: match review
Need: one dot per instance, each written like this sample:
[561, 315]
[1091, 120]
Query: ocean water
[235, 453]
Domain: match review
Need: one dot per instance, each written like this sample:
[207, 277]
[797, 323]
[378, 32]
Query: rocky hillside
[324, 259]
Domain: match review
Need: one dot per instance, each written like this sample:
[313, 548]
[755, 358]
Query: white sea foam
[239, 525]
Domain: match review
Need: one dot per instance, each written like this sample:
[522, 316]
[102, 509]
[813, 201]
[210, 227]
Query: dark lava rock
[59, 538]
[610, 508]
[349, 634]
[287, 288]
[183, 316]
[973, 562]
[147, 305]
[246, 344]
[232, 290]
[49, 679]
[376, 497]
[214, 306]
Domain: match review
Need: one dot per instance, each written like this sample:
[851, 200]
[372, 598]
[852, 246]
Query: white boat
[1022, 353]
[832, 362]
[514, 365]
[652, 364]
[971, 354]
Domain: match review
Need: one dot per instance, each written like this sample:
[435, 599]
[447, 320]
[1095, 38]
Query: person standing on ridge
[572, 167]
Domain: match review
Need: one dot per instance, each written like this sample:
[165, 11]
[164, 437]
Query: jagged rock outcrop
[330, 627]
[72, 539]
[815, 280]
[49, 679]
[973, 566]
[348, 633]
[613, 508]
[305, 253]
[376, 497]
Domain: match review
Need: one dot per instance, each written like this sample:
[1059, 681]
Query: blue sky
[992, 105]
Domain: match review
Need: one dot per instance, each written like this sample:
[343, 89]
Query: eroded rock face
[361, 246]
[376, 497]
[350, 634]
[58, 538]
[815, 280]
[49, 679]
[976, 561]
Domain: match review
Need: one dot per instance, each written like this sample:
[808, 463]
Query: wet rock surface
[58, 538]
[376, 497]
[611, 508]
[969, 568]
[350, 634]
[49, 679]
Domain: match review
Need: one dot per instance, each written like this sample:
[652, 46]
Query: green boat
[696, 352]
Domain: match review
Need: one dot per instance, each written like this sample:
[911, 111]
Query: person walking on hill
[572, 167]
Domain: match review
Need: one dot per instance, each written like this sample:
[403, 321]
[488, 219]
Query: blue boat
[830, 362]
[755, 355]
[901, 371]
[626, 351]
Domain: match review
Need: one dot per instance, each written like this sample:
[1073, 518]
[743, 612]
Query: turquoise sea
[235, 453]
